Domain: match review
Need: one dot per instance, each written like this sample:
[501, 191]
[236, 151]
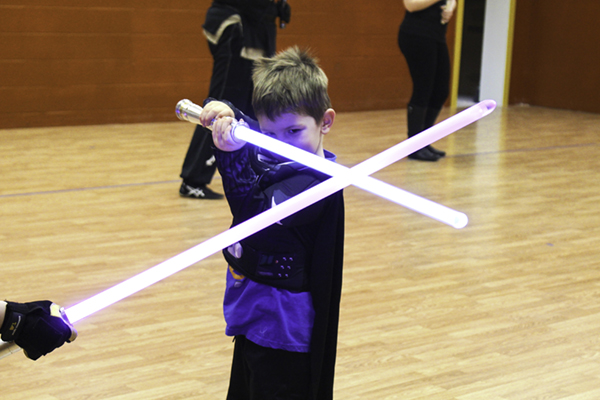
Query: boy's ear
[327, 122]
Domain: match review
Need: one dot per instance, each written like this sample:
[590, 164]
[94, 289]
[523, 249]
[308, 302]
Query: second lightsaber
[277, 213]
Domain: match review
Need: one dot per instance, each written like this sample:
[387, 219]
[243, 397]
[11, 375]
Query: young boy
[283, 283]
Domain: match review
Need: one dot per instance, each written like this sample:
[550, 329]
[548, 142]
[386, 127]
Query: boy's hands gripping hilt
[215, 116]
[38, 327]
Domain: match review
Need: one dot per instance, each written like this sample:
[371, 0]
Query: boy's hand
[222, 137]
[214, 110]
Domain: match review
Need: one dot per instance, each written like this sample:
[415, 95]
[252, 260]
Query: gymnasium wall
[73, 62]
[556, 54]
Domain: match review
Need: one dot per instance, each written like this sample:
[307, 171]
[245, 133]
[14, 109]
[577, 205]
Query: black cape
[324, 274]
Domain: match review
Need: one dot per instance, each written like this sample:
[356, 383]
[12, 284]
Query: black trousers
[429, 65]
[261, 373]
[231, 80]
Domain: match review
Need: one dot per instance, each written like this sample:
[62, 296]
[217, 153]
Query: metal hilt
[188, 111]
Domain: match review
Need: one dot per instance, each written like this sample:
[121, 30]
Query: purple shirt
[268, 316]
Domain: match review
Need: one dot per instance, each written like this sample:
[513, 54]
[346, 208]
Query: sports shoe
[440, 153]
[201, 192]
[424, 155]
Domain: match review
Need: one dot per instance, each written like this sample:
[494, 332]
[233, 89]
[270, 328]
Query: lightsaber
[281, 211]
[190, 112]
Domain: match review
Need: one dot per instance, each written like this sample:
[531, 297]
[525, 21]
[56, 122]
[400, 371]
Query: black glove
[38, 327]
[284, 12]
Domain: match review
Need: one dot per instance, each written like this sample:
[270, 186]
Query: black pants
[231, 80]
[429, 65]
[261, 373]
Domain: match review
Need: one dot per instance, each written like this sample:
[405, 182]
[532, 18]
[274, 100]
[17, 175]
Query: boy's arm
[250, 192]
[273, 186]
[236, 172]
[213, 109]
[233, 159]
[302, 179]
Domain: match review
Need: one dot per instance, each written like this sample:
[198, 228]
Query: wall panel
[556, 54]
[67, 62]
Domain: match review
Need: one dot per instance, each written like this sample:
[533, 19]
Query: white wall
[497, 35]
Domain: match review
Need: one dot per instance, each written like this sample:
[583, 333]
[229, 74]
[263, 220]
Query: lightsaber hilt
[186, 110]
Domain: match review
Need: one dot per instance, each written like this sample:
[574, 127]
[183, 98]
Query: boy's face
[299, 131]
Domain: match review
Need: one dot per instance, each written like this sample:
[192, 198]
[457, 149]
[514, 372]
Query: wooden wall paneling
[64, 63]
[555, 54]
[67, 64]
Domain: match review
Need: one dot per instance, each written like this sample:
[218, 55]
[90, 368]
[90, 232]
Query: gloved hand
[37, 327]
[284, 11]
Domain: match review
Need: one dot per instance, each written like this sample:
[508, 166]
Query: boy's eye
[293, 131]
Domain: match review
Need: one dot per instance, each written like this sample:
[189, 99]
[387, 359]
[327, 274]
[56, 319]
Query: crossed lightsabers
[341, 178]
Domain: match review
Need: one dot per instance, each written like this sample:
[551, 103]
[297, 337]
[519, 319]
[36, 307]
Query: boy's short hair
[290, 82]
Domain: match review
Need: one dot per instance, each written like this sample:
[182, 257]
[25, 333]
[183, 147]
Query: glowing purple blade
[277, 213]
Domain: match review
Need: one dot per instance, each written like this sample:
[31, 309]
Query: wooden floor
[506, 308]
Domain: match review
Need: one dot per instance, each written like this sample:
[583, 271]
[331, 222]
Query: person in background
[238, 32]
[422, 41]
[37, 327]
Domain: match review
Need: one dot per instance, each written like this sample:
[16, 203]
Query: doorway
[471, 52]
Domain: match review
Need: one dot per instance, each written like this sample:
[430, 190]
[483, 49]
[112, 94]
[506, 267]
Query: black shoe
[424, 155]
[435, 151]
[201, 192]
